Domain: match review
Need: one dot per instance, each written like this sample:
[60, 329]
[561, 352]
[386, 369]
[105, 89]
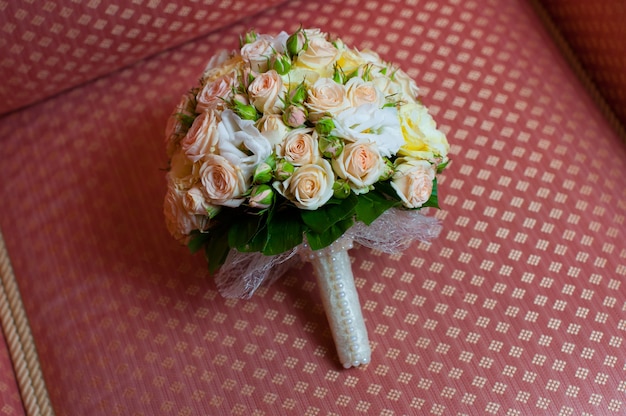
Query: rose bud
[248, 38]
[245, 111]
[297, 42]
[282, 64]
[262, 196]
[330, 146]
[341, 189]
[324, 126]
[262, 173]
[387, 170]
[295, 115]
[284, 170]
[298, 95]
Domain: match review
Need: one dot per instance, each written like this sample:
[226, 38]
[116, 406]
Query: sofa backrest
[50, 46]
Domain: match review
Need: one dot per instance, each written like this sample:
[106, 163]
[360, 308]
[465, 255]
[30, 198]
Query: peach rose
[175, 130]
[178, 220]
[360, 92]
[326, 96]
[213, 94]
[202, 137]
[413, 182]
[299, 147]
[310, 186]
[319, 56]
[257, 53]
[223, 182]
[265, 92]
[360, 164]
[272, 128]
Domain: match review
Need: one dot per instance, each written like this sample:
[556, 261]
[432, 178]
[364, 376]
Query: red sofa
[518, 308]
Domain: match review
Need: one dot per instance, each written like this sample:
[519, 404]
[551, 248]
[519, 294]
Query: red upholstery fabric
[597, 34]
[10, 402]
[49, 46]
[517, 309]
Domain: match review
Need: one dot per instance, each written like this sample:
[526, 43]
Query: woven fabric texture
[516, 309]
[53, 45]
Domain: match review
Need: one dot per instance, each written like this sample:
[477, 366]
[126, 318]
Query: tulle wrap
[243, 273]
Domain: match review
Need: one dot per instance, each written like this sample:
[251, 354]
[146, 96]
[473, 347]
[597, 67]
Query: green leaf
[335, 210]
[371, 205]
[433, 200]
[442, 166]
[246, 234]
[331, 234]
[197, 240]
[217, 248]
[284, 232]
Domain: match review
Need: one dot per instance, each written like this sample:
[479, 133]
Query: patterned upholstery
[54, 45]
[597, 34]
[516, 309]
[10, 402]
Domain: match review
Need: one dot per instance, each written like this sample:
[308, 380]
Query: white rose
[422, 140]
[360, 92]
[202, 137]
[413, 182]
[241, 142]
[178, 220]
[320, 56]
[299, 147]
[361, 164]
[272, 128]
[326, 96]
[266, 92]
[367, 122]
[224, 182]
[214, 94]
[310, 186]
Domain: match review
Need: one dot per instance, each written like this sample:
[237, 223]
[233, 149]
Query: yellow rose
[422, 140]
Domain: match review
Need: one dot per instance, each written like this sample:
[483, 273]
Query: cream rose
[202, 137]
[320, 56]
[223, 182]
[360, 164]
[178, 220]
[183, 172]
[310, 186]
[195, 202]
[360, 92]
[326, 96]
[214, 94]
[422, 140]
[413, 182]
[272, 128]
[299, 147]
[259, 52]
[222, 64]
[266, 91]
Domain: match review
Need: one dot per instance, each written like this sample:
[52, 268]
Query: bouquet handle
[341, 302]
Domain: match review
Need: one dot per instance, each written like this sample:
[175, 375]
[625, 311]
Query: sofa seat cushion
[517, 308]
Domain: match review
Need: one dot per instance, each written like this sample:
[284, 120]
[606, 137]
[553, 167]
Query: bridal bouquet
[295, 143]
